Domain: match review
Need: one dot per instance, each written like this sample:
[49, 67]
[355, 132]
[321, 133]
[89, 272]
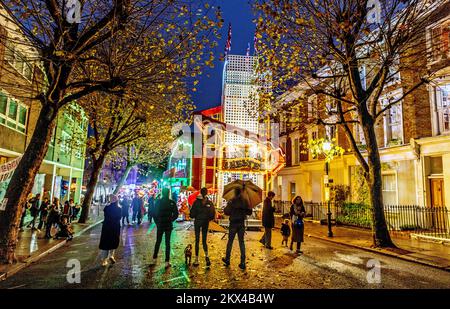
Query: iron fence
[430, 221]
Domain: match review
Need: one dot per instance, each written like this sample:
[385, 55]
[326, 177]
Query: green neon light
[180, 142]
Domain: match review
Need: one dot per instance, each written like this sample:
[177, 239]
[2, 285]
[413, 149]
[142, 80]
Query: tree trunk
[123, 178]
[90, 189]
[381, 237]
[22, 182]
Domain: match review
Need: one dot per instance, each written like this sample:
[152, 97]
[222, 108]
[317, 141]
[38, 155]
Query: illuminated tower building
[239, 101]
[240, 109]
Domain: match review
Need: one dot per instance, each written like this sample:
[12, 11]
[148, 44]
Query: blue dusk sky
[239, 13]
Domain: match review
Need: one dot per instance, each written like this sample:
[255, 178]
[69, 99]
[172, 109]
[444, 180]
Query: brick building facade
[413, 136]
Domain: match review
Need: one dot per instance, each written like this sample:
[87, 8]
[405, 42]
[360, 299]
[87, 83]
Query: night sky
[240, 14]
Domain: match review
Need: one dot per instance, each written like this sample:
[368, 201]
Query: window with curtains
[13, 114]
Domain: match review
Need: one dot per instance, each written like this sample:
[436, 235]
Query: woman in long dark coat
[297, 213]
[110, 237]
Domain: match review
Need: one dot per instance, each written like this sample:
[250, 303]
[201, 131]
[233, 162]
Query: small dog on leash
[188, 254]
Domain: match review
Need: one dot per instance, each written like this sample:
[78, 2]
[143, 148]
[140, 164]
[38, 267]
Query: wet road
[322, 265]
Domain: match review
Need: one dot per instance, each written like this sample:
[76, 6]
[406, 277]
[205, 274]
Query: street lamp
[326, 148]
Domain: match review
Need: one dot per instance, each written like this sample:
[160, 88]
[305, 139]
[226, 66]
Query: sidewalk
[32, 246]
[427, 253]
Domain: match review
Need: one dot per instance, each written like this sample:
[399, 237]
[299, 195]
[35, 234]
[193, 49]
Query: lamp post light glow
[326, 148]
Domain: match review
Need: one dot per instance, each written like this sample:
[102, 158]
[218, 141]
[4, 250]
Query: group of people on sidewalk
[164, 212]
[293, 227]
[50, 215]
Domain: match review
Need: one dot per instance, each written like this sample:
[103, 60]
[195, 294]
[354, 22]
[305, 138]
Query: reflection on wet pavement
[322, 265]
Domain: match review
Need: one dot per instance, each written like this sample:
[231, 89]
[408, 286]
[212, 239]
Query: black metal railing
[430, 221]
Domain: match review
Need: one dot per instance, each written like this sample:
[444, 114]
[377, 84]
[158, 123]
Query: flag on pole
[255, 42]
[248, 49]
[228, 45]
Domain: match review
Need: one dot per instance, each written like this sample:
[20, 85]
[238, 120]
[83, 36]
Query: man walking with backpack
[202, 211]
[238, 210]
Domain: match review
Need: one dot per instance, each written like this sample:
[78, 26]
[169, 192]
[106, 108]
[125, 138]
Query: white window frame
[331, 132]
[16, 122]
[312, 107]
[395, 67]
[330, 105]
[387, 125]
[441, 113]
[432, 58]
[18, 57]
[390, 173]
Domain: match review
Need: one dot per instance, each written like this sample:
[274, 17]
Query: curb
[380, 251]
[32, 259]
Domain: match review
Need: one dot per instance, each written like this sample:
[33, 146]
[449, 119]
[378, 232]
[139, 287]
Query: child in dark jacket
[285, 231]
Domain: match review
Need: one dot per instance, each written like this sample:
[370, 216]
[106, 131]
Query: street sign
[325, 179]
